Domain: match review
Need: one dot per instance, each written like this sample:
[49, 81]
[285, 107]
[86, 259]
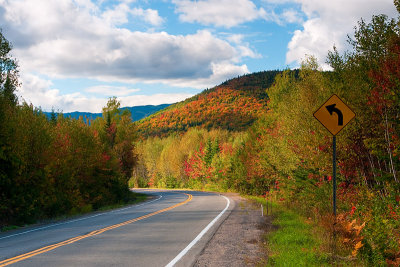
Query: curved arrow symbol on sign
[332, 108]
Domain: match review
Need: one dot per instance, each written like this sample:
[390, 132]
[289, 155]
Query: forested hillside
[254, 134]
[234, 105]
[59, 166]
[271, 145]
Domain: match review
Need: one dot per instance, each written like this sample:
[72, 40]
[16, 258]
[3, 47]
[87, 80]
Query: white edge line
[198, 237]
[81, 219]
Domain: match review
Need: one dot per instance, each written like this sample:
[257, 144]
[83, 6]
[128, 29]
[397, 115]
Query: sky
[75, 54]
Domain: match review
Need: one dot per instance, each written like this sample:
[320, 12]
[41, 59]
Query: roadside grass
[9, 227]
[292, 240]
[134, 199]
[294, 243]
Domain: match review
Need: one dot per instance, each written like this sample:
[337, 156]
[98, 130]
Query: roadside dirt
[238, 241]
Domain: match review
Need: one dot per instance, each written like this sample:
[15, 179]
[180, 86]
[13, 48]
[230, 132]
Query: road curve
[170, 230]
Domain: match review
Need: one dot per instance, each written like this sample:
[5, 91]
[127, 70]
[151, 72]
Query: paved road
[171, 229]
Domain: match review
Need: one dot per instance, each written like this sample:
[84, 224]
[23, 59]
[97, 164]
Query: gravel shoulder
[238, 240]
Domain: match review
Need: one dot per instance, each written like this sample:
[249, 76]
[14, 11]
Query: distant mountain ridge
[138, 112]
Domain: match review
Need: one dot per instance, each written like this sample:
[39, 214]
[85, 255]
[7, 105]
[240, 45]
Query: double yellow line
[93, 233]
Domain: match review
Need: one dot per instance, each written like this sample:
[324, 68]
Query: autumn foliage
[61, 166]
[236, 138]
[254, 134]
[234, 105]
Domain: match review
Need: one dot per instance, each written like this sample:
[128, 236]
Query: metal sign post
[334, 174]
[334, 124]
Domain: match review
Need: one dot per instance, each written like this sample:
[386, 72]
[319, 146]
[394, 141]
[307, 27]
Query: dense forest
[57, 166]
[254, 134]
[285, 154]
[234, 105]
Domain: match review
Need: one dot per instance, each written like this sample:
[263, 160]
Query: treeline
[262, 143]
[254, 83]
[198, 159]
[287, 154]
[58, 166]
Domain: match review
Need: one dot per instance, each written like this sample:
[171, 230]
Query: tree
[8, 101]
[209, 153]
[117, 134]
[8, 72]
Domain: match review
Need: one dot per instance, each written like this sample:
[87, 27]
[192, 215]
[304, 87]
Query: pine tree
[209, 153]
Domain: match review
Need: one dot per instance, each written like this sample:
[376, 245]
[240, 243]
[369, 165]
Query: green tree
[118, 133]
[209, 152]
[8, 100]
[8, 72]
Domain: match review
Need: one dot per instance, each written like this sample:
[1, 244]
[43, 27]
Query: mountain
[233, 105]
[138, 112]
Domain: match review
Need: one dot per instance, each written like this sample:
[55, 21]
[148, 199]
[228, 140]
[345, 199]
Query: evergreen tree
[215, 147]
[53, 117]
[209, 153]
[8, 101]
[8, 72]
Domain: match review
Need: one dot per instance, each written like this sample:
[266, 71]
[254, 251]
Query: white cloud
[221, 13]
[291, 16]
[77, 39]
[244, 48]
[39, 92]
[235, 38]
[328, 23]
[60, 40]
[314, 41]
[246, 51]
[129, 56]
[231, 13]
[149, 15]
[220, 72]
[108, 90]
[116, 16]
[128, 1]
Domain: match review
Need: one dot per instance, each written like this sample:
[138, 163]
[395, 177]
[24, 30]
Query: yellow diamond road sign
[334, 114]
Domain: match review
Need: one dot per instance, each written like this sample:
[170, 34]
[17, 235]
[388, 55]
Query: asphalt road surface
[169, 230]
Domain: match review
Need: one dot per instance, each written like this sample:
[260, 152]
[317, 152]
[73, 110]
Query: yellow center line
[93, 233]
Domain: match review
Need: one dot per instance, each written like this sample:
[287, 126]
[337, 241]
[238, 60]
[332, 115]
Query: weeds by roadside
[134, 199]
[293, 240]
